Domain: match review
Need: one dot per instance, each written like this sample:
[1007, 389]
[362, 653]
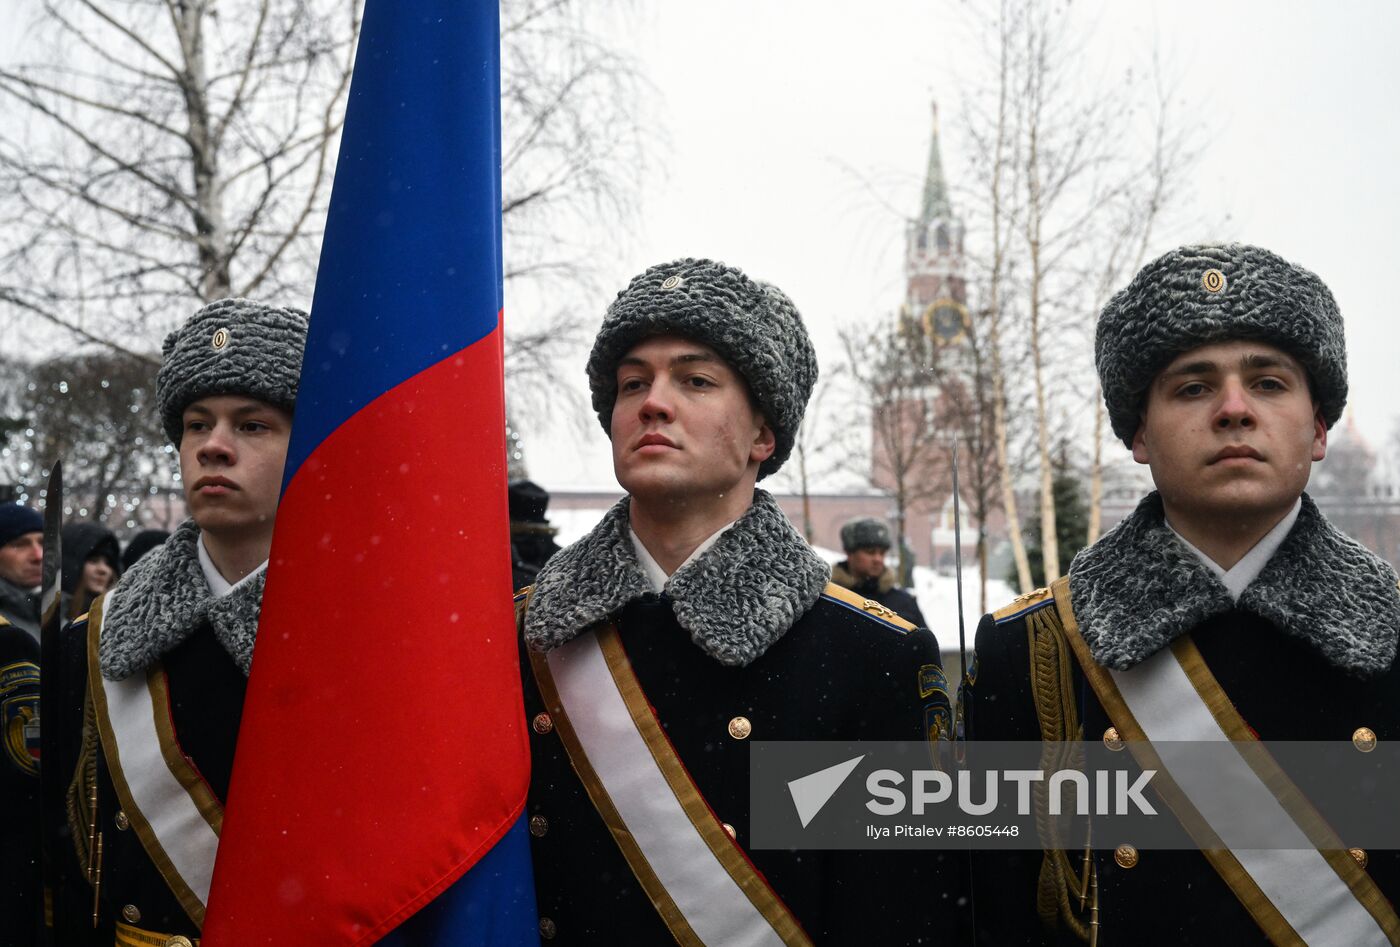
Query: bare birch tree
[1129, 239]
[1066, 205]
[575, 138]
[96, 410]
[996, 140]
[815, 453]
[1071, 175]
[157, 154]
[16, 427]
[165, 153]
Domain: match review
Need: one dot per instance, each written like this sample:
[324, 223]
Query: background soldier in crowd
[91, 565]
[531, 536]
[21, 566]
[718, 623]
[1241, 611]
[865, 541]
[173, 641]
[21, 572]
[142, 543]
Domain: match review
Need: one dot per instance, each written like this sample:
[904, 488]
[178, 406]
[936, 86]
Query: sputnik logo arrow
[811, 792]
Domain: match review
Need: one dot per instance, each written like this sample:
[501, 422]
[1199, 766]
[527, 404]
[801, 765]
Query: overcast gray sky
[771, 109]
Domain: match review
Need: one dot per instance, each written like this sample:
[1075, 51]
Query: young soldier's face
[231, 458]
[683, 424]
[1230, 429]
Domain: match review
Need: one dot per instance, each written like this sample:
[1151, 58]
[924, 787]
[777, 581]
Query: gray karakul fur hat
[865, 532]
[230, 347]
[1200, 295]
[752, 325]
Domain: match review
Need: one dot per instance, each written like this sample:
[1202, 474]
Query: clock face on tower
[946, 321]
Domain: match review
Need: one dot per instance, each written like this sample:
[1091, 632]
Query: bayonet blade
[51, 812]
[957, 562]
[51, 594]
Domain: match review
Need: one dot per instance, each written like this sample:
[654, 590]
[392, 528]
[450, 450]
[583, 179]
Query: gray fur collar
[1138, 588]
[736, 599]
[163, 599]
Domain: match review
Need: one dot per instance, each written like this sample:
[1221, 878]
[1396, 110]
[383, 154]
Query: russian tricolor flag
[382, 763]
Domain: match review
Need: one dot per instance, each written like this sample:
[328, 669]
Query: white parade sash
[1298, 893]
[169, 806]
[696, 876]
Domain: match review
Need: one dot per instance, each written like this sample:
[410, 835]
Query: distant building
[934, 317]
[1353, 486]
[935, 296]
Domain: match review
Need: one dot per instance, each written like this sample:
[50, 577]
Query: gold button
[740, 728]
[539, 825]
[1112, 740]
[1126, 856]
[542, 723]
[122, 821]
[1213, 281]
[131, 914]
[179, 940]
[671, 282]
[547, 928]
[220, 338]
[729, 829]
[1364, 739]
[1359, 855]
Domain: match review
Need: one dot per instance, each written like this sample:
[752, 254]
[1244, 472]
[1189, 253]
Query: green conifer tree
[1071, 522]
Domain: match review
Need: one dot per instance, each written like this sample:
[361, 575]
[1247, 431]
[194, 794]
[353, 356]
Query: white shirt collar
[217, 583]
[652, 569]
[1248, 568]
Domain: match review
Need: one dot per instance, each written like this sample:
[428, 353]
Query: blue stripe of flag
[403, 231]
[493, 905]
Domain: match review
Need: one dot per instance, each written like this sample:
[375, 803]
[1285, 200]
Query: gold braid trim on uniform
[1052, 689]
[84, 784]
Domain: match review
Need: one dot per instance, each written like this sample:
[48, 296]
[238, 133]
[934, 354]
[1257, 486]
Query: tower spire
[936, 203]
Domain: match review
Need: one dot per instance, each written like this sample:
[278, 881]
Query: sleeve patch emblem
[19, 715]
[931, 680]
[937, 722]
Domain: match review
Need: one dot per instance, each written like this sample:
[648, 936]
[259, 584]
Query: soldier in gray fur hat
[1240, 611]
[728, 627]
[185, 615]
[865, 541]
